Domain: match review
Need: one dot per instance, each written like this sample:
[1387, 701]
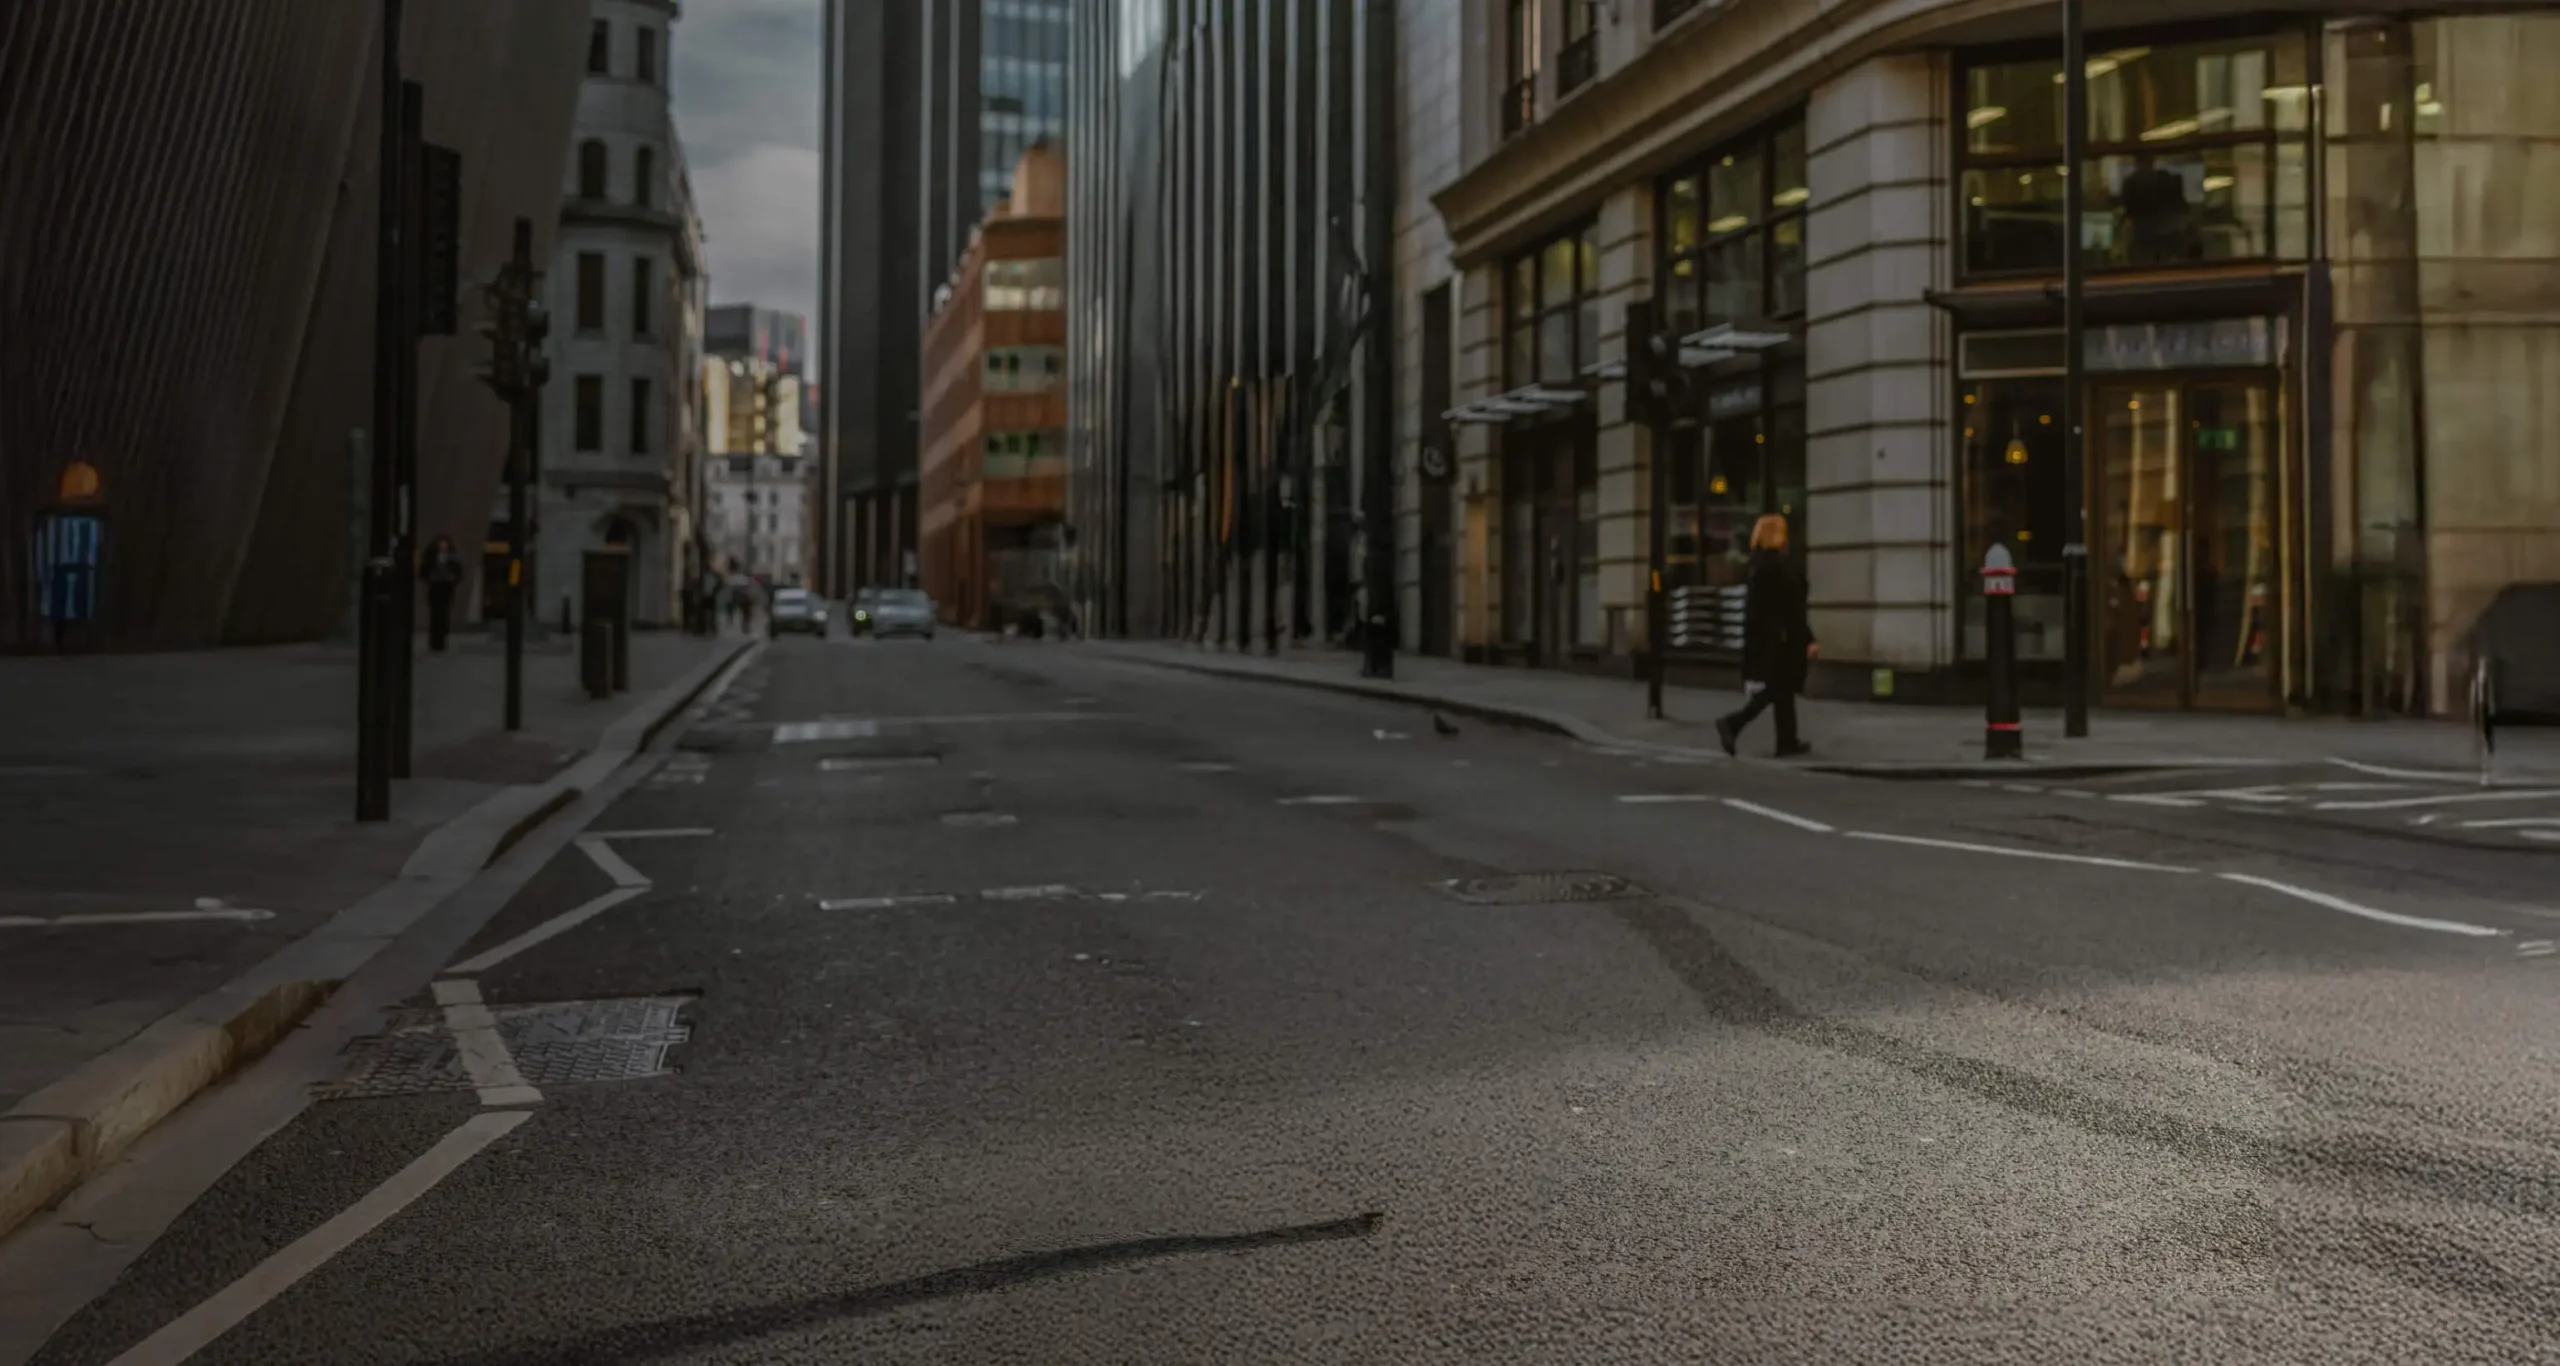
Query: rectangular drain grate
[1541, 889]
[558, 1043]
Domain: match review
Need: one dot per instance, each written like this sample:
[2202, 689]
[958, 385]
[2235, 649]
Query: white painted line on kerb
[2512, 823]
[883, 903]
[484, 1055]
[1327, 800]
[197, 1329]
[550, 929]
[804, 732]
[1663, 798]
[613, 864]
[2043, 855]
[2442, 799]
[1053, 891]
[2413, 922]
[37, 922]
[1775, 814]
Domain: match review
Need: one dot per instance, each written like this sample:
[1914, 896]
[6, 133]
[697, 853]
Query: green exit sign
[2217, 439]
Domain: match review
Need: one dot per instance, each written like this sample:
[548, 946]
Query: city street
[974, 1001]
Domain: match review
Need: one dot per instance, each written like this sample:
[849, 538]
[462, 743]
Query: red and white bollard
[2001, 736]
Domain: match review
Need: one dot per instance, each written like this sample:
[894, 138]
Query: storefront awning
[2158, 297]
[1529, 400]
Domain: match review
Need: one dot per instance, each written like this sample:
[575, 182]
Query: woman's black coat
[1775, 633]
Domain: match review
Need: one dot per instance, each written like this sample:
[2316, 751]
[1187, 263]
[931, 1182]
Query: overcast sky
[747, 104]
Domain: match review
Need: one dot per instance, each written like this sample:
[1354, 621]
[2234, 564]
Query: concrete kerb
[55, 1139]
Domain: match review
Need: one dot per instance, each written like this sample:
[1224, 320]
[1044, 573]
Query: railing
[1667, 12]
[1519, 105]
[1577, 63]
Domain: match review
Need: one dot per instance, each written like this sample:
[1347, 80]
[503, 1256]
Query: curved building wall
[186, 288]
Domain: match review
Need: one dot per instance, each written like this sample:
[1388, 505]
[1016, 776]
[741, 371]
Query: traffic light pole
[403, 661]
[1641, 408]
[523, 408]
[376, 613]
[2075, 453]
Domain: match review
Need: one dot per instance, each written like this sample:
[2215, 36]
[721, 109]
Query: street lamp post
[2075, 499]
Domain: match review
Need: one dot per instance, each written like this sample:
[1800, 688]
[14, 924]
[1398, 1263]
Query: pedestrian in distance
[443, 574]
[1777, 640]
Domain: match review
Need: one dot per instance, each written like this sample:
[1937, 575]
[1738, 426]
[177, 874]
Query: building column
[1879, 459]
[1625, 447]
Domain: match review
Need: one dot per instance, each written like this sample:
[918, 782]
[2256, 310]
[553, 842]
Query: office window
[1733, 232]
[589, 435]
[644, 177]
[648, 63]
[1553, 317]
[591, 291]
[1520, 82]
[591, 169]
[639, 417]
[600, 49]
[2196, 153]
[643, 288]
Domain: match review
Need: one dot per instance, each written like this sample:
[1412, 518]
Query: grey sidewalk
[1873, 735]
[153, 784]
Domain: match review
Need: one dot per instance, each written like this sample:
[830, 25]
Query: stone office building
[2323, 345]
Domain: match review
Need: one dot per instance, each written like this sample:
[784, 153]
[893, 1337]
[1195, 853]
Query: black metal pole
[1378, 63]
[404, 550]
[2075, 511]
[373, 681]
[523, 422]
[1657, 613]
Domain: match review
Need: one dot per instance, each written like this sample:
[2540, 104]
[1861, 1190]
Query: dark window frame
[642, 403]
[1768, 218]
[1519, 97]
[644, 283]
[590, 303]
[600, 48]
[595, 170]
[586, 424]
[644, 66]
[1584, 295]
[644, 177]
[2271, 140]
[1578, 60]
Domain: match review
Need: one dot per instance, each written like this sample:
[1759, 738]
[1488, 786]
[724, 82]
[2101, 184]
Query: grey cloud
[748, 100]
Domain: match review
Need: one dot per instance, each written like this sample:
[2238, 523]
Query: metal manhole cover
[558, 1043]
[1540, 889]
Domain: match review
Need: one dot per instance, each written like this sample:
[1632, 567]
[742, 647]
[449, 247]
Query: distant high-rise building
[928, 106]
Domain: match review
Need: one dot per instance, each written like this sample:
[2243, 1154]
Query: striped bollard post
[2001, 738]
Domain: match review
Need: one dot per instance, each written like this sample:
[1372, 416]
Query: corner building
[2323, 335]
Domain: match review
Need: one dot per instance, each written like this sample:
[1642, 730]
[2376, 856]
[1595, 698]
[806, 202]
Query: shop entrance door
[2188, 565]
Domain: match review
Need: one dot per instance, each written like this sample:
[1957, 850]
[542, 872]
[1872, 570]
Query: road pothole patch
[1541, 889]
[556, 1043]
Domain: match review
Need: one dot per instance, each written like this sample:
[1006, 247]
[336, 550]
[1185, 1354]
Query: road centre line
[2045, 855]
[2412, 922]
[37, 922]
[550, 929]
[197, 1329]
[1330, 799]
[2512, 823]
[1663, 798]
[484, 1054]
[1052, 891]
[804, 732]
[2441, 799]
[1773, 813]
[883, 903]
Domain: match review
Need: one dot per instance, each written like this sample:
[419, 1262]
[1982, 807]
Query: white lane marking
[2362, 787]
[1390, 735]
[1663, 798]
[1206, 766]
[976, 820]
[1052, 891]
[197, 1329]
[873, 724]
[2045, 855]
[843, 763]
[2335, 903]
[2441, 799]
[1775, 814]
[882, 903]
[38, 922]
[1330, 799]
[550, 929]
[1170, 896]
[613, 864]
[803, 732]
[687, 832]
[2155, 799]
[484, 1055]
[2080, 793]
[2424, 775]
[2428, 819]
[2537, 948]
[2510, 823]
[2545, 836]
[2029, 789]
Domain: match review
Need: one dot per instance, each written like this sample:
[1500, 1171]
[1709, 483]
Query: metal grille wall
[186, 258]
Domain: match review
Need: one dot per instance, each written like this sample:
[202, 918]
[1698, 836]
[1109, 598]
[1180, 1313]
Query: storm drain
[559, 1043]
[1540, 889]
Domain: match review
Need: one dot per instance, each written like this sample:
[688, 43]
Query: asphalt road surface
[975, 1002]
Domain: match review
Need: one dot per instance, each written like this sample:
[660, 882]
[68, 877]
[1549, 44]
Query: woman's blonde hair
[1769, 533]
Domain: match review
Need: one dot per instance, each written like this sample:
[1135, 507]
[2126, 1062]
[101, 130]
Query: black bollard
[2001, 738]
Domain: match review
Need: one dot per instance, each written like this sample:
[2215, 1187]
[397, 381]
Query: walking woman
[1777, 641]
